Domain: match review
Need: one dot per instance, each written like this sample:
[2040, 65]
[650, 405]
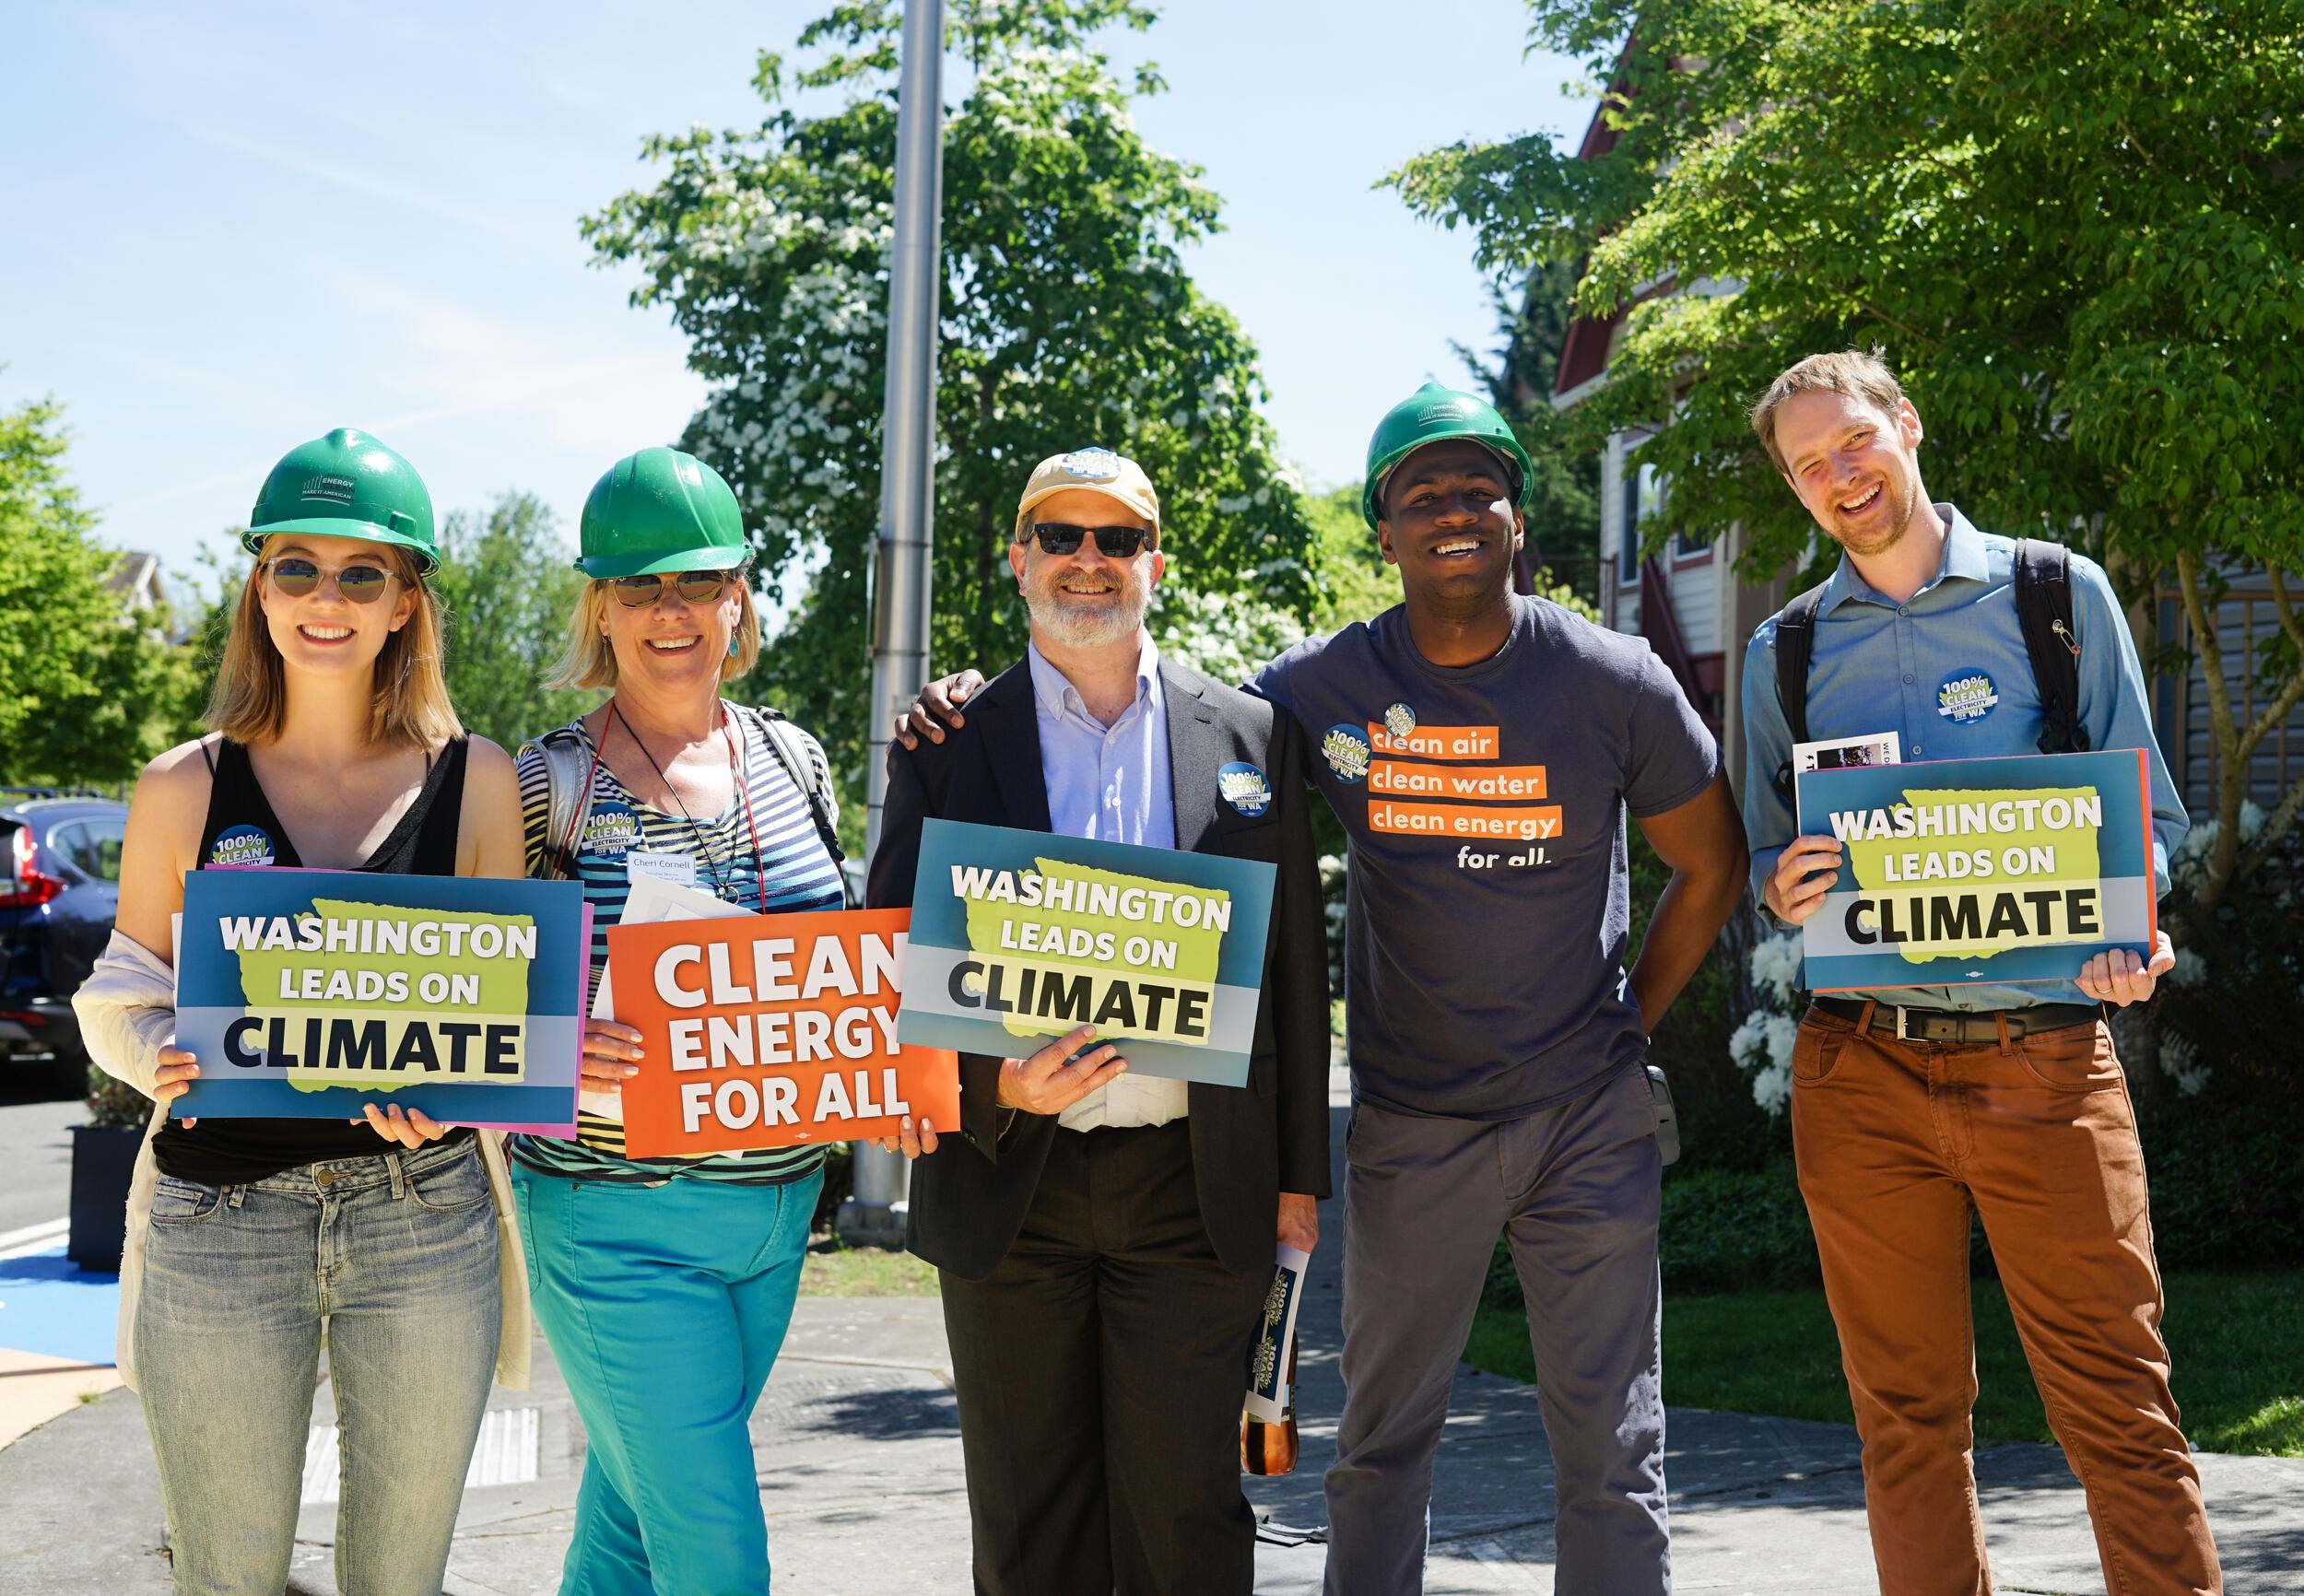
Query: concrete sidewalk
[857, 1448]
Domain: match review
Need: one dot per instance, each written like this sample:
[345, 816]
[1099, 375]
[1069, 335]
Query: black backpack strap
[2043, 601]
[1796, 646]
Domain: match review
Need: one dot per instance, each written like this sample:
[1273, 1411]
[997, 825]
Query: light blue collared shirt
[1107, 782]
[1878, 666]
[1112, 784]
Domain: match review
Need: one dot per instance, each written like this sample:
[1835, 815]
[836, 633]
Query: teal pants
[666, 1306]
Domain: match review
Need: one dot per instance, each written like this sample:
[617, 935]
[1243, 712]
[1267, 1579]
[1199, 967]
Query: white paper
[1839, 753]
[1278, 1333]
[653, 899]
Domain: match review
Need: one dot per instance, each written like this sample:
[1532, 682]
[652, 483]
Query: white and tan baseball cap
[1115, 476]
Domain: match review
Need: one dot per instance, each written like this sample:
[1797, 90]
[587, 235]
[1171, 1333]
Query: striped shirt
[793, 868]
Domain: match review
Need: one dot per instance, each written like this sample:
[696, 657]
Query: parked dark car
[59, 888]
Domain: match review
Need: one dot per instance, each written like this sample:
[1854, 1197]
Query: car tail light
[26, 885]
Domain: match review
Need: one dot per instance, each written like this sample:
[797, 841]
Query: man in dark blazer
[1106, 1242]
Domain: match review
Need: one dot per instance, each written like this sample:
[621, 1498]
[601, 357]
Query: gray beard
[1081, 626]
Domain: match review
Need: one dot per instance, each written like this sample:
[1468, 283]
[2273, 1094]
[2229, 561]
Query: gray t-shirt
[1488, 904]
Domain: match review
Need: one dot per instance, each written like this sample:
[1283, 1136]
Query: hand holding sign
[1053, 1079]
[1806, 870]
[174, 1078]
[2119, 978]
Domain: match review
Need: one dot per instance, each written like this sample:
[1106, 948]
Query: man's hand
[939, 704]
[1300, 1221]
[2119, 978]
[1051, 1080]
[1805, 872]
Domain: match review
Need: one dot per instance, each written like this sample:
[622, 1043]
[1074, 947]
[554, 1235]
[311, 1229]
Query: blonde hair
[588, 660]
[1854, 372]
[411, 708]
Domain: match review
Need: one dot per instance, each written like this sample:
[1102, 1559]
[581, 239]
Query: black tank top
[243, 829]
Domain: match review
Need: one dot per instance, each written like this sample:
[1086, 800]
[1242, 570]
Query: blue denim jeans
[666, 1306]
[397, 1252]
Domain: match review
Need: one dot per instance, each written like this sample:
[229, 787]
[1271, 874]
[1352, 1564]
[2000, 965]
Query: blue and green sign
[307, 993]
[1959, 871]
[1018, 936]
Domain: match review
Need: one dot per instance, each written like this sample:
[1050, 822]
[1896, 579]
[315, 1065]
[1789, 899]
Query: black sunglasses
[1112, 542]
[297, 577]
[696, 587]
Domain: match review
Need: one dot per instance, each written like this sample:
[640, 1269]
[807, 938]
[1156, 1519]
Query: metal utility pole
[900, 555]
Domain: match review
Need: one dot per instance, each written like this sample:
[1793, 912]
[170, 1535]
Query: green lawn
[2237, 1342]
[835, 1269]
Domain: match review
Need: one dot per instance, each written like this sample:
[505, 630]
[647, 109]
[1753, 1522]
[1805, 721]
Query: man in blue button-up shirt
[1919, 1106]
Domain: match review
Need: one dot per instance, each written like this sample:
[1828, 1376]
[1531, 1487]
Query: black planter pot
[102, 1160]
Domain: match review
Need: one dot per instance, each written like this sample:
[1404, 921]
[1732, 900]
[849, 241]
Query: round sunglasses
[1112, 542]
[298, 578]
[696, 587]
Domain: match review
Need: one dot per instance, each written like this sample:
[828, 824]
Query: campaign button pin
[609, 830]
[1965, 697]
[1245, 787]
[1347, 750]
[242, 845]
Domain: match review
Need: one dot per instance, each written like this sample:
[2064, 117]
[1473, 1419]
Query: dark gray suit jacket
[1248, 1144]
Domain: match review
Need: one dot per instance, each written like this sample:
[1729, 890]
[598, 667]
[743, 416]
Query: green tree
[1532, 314]
[2077, 232]
[508, 584]
[79, 679]
[1067, 320]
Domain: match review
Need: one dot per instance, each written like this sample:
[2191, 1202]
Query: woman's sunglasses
[696, 587]
[1112, 542]
[360, 584]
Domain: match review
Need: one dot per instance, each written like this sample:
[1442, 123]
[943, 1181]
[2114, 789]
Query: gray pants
[1575, 1190]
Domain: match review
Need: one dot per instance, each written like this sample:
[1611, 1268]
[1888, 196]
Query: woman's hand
[912, 1142]
[609, 1049]
[174, 1078]
[411, 1128]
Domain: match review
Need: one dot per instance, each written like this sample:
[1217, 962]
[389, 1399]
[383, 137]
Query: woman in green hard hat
[666, 1285]
[333, 748]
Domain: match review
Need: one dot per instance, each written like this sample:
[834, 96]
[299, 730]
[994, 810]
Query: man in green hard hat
[1482, 748]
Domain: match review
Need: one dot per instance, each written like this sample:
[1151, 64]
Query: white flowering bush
[1067, 321]
[1762, 1044]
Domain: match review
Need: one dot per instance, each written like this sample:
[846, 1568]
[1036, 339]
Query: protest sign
[306, 994]
[769, 1030]
[1961, 871]
[1018, 936]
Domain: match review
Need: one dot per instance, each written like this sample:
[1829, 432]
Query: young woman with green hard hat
[333, 746]
[630, 1260]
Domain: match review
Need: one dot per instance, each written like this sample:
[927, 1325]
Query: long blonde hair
[588, 660]
[411, 708]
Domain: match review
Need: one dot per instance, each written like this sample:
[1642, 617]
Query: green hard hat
[660, 511]
[1434, 415]
[347, 485]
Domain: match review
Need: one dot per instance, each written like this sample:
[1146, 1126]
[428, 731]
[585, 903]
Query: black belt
[1953, 1025]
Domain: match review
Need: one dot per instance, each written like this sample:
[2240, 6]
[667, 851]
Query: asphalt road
[35, 1150]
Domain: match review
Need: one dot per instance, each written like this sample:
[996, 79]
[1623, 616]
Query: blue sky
[232, 231]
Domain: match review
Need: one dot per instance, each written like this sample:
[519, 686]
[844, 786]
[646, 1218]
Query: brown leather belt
[1954, 1025]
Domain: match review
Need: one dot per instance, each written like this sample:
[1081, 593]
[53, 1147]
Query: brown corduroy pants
[1897, 1141]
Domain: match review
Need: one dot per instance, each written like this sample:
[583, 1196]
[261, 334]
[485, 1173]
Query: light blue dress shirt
[1112, 784]
[1878, 666]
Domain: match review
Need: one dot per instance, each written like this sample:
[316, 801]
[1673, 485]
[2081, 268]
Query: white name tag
[679, 868]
